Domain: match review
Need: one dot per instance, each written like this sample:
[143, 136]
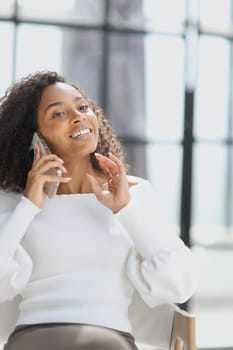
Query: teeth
[80, 132]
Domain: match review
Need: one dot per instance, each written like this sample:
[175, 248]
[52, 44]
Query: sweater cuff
[34, 209]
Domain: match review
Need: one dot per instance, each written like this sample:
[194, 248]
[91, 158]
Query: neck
[78, 169]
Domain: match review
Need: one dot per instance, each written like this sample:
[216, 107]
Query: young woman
[75, 258]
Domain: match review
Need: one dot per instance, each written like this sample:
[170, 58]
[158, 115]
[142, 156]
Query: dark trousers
[66, 336]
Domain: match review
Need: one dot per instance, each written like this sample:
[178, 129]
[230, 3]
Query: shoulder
[142, 197]
[140, 188]
[10, 196]
[135, 180]
[138, 181]
[8, 200]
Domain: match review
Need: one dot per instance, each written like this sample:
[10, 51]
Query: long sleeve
[16, 214]
[160, 266]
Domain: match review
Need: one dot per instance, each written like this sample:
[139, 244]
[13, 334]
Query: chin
[93, 149]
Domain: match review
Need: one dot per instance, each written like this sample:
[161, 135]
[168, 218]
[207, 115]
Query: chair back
[151, 327]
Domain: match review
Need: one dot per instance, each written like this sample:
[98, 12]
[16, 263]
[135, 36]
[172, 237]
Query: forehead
[58, 92]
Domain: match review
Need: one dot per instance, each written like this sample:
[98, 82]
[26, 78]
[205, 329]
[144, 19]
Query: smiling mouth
[80, 133]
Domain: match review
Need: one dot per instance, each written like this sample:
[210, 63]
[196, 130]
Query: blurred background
[162, 71]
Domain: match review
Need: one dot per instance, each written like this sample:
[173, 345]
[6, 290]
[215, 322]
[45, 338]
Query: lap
[69, 337]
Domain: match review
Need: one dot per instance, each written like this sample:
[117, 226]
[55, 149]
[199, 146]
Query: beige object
[183, 335]
[164, 327]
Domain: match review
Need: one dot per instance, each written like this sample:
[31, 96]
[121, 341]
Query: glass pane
[164, 86]
[151, 98]
[209, 178]
[230, 192]
[136, 159]
[212, 301]
[126, 14]
[46, 56]
[157, 16]
[164, 171]
[7, 8]
[73, 53]
[6, 37]
[211, 102]
[125, 89]
[147, 14]
[215, 14]
[68, 11]
[82, 60]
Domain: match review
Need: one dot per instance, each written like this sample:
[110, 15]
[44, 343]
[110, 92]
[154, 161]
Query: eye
[59, 114]
[83, 108]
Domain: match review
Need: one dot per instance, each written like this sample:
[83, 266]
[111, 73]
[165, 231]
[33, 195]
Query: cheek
[49, 128]
[52, 135]
[95, 126]
[95, 123]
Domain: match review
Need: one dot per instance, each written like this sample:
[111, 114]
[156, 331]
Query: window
[162, 71]
[6, 31]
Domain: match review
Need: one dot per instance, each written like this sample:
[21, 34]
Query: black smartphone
[50, 187]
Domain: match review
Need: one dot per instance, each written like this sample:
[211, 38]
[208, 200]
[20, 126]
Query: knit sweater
[73, 260]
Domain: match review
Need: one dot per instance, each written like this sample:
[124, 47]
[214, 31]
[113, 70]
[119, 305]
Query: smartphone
[49, 187]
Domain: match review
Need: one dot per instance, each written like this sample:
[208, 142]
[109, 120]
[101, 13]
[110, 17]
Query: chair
[164, 327]
[183, 334]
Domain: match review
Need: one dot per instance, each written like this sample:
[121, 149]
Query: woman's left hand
[118, 195]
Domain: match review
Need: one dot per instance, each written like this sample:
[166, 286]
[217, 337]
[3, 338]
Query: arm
[160, 266]
[16, 214]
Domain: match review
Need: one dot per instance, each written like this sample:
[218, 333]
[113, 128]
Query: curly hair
[18, 122]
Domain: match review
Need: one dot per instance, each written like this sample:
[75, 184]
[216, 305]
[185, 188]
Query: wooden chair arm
[183, 336]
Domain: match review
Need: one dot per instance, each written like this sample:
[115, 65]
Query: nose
[77, 116]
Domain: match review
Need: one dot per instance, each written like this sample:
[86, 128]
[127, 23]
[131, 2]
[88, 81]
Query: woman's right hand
[36, 179]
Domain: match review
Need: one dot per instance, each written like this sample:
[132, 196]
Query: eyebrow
[58, 103]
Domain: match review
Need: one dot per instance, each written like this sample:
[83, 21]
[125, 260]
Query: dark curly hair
[18, 122]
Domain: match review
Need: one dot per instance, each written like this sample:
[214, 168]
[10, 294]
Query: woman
[76, 258]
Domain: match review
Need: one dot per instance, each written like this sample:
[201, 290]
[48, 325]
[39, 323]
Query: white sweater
[73, 260]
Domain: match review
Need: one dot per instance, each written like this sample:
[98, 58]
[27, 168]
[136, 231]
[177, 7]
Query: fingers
[36, 154]
[111, 165]
[44, 169]
[43, 164]
[118, 162]
[52, 164]
[51, 156]
[115, 198]
[51, 178]
[95, 186]
[39, 178]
